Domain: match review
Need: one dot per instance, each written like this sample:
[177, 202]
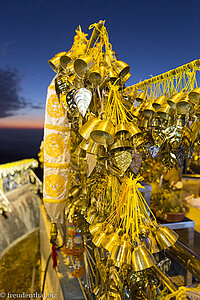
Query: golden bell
[165, 237]
[183, 105]
[87, 128]
[121, 68]
[194, 96]
[175, 98]
[141, 97]
[103, 132]
[126, 78]
[96, 75]
[111, 241]
[94, 228]
[120, 146]
[55, 61]
[110, 56]
[149, 109]
[66, 59]
[142, 259]
[83, 65]
[164, 111]
[121, 253]
[112, 75]
[122, 132]
[159, 102]
[136, 112]
[134, 130]
[98, 238]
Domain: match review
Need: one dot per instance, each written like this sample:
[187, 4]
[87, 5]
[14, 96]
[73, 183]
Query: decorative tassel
[54, 256]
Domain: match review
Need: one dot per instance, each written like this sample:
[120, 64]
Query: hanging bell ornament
[194, 96]
[164, 111]
[111, 241]
[183, 105]
[121, 253]
[159, 102]
[142, 259]
[66, 59]
[95, 228]
[103, 132]
[83, 65]
[98, 239]
[87, 128]
[121, 68]
[120, 146]
[141, 97]
[122, 132]
[97, 74]
[175, 98]
[149, 110]
[55, 61]
[165, 237]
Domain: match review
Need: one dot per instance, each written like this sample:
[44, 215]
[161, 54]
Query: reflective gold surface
[142, 259]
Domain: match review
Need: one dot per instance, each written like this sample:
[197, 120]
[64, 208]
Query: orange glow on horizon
[22, 122]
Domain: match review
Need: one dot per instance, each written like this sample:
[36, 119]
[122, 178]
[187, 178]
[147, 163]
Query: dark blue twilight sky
[151, 36]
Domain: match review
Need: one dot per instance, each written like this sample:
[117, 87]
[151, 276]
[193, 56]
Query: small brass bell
[122, 132]
[194, 96]
[141, 97]
[120, 145]
[55, 61]
[121, 253]
[159, 102]
[111, 241]
[149, 109]
[183, 105]
[66, 59]
[98, 238]
[121, 68]
[112, 75]
[175, 98]
[93, 148]
[87, 128]
[164, 111]
[103, 132]
[165, 237]
[134, 130]
[83, 65]
[97, 75]
[142, 259]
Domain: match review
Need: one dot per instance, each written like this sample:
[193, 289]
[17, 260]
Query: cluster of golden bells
[110, 125]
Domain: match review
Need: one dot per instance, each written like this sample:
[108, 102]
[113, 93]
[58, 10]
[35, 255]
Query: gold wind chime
[112, 128]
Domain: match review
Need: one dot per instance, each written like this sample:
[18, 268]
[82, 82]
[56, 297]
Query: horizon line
[21, 127]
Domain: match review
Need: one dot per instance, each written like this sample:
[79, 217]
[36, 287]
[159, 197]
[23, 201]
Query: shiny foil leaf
[123, 160]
